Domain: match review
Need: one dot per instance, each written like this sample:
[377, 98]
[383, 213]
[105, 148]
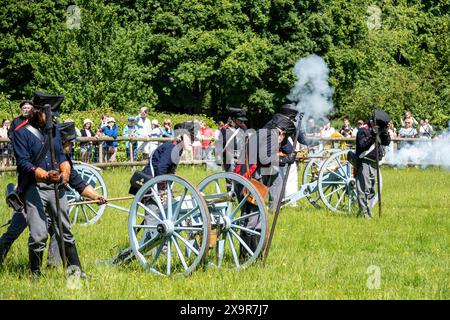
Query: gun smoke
[311, 91]
[423, 153]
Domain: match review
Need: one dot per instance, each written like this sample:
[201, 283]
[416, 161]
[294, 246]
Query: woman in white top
[5, 148]
[408, 131]
[145, 130]
[86, 147]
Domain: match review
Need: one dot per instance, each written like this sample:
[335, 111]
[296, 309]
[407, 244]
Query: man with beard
[38, 180]
[19, 223]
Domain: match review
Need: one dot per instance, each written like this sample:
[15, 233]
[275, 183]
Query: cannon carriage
[174, 226]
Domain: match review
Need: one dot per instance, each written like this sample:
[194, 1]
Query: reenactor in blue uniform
[258, 159]
[26, 106]
[365, 159]
[231, 139]
[18, 221]
[164, 160]
[37, 180]
[285, 118]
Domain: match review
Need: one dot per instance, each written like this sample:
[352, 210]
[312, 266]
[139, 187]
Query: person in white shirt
[155, 133]
[408, 131]
[327, 130]
[145, 130]
[425, 129]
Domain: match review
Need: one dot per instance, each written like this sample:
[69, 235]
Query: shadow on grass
[19, 268]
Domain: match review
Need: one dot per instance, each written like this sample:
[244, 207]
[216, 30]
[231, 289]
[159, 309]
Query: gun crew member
[258, 157]
[37, 180]
[365, 159]
[231, 139]
[18, 221]
[164, 160]
[285, 118]
[26, 106]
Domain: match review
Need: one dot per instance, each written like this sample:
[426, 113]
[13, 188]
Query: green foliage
[403, 65]
[204, 56]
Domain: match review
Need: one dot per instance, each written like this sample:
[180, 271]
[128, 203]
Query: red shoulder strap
[24, 123]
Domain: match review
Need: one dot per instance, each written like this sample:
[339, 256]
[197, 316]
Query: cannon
[328, 180]
[312, 170]
[175, 227]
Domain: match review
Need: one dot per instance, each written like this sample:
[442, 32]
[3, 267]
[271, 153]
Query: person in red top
[206, 136]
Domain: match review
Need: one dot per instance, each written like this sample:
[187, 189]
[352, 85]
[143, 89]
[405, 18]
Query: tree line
[204, 56]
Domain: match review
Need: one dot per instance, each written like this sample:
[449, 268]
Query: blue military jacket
[364, 140]
[75, 180]
[164, 159]
[26, 150]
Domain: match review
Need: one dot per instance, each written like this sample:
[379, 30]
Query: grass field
[315, 254]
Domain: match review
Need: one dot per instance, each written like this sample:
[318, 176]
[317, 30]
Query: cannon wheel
[337, 186]
[169, 226]
[311, 174]
[87, 214]
[229, 223]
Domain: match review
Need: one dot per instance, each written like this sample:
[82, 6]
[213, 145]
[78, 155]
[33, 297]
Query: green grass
[315, 254]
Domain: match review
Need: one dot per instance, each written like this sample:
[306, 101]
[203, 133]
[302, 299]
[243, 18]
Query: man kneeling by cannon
[164, 160]
[257, 162]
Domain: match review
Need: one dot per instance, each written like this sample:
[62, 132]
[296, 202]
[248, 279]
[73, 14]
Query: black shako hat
[41, 99]
[381, 118]
[67, 131]
[282, 122]
[187, 127]
[289, 110]
[239, 114]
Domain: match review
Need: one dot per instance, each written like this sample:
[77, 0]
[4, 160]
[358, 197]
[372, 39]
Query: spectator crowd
[142, 126]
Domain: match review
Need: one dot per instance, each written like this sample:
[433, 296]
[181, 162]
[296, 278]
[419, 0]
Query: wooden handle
[109, 200]
[96, 201]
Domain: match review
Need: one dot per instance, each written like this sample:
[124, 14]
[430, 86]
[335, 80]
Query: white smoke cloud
[311, 91]
[424, 153]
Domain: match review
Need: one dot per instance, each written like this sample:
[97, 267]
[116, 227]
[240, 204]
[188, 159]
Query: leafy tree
[204, 56]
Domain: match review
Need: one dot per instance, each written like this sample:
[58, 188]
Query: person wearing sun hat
[131, 130]
[110, 147]
[86, 147]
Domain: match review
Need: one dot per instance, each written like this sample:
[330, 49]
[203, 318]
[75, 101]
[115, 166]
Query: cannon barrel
[218, 198]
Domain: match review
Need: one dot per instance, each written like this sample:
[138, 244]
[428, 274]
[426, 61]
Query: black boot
[254, 240]
[35, 263]
[4, 248]
[251, 240]
[73, 261]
